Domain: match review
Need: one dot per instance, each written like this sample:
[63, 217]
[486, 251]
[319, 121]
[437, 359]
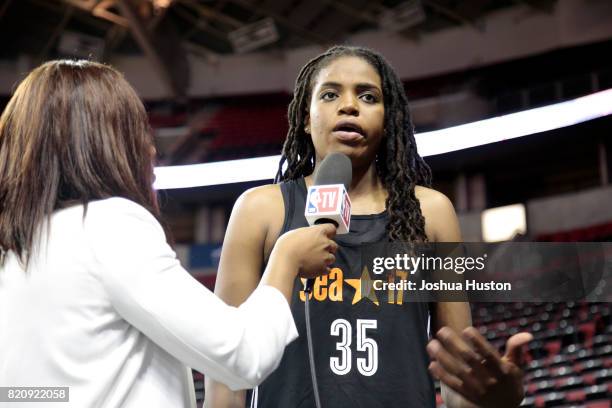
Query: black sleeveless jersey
[368, 352]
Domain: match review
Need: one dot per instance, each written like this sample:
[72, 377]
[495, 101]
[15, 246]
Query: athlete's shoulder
[263, 210]
[261, 197]
[431, 199]
[441, 222]
[260, 205]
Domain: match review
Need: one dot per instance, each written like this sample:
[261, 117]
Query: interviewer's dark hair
[73, 132]
[398, 164]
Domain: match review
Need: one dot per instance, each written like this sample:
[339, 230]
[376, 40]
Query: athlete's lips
[348, 131]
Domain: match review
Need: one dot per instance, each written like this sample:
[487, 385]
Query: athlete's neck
[367, 192]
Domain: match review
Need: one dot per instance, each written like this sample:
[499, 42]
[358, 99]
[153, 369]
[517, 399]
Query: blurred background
[216, 77]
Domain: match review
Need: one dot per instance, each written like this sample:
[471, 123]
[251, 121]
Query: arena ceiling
[209, 27]
[166, 31]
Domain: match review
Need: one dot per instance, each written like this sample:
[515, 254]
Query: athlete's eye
[369, 98]
[328, 96]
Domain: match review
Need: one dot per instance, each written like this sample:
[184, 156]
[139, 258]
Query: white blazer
[106, 309]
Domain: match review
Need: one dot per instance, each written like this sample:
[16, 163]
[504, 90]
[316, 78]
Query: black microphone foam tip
[336, 168]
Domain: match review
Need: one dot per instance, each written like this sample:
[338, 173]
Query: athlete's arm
[245, 246]
[443, 226]
[468, 366]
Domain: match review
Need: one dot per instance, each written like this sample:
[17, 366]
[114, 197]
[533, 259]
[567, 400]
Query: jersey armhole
[288, 202]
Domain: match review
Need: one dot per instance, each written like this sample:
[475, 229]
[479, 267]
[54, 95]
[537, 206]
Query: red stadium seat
[587, 331]
[575, 396]
[599, 404]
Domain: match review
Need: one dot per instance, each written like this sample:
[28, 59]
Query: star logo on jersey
[364, 287]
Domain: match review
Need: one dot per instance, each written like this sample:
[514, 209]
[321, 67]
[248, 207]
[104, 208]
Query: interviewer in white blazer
[92, 297]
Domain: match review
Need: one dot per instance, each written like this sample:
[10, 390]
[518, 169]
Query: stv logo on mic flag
[330, 202]
[323, 199]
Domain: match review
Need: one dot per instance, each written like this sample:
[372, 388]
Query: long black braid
[398, 164]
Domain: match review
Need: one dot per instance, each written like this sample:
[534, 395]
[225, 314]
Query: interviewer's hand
[311, 247]
[307, 252]
[473, 368]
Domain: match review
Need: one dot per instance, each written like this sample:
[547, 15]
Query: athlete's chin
[357, 153]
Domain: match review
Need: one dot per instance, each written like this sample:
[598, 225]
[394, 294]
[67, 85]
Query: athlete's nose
[349, 106]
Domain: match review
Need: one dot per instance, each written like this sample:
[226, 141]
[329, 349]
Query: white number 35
[341, 365]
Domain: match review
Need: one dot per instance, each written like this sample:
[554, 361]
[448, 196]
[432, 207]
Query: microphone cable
[313, 372]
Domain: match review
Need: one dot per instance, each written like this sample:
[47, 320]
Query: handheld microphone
[328, 200]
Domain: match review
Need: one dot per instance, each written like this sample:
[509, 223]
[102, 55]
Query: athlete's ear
[307, 123]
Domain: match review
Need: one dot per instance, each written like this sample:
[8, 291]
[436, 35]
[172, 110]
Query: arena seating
[569, 363]
[266, 130]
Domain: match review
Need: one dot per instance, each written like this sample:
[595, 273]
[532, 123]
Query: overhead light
[447, 140]
[162, 4]
[517, 124]
[210, 174]
[503, 223]
[253, 36]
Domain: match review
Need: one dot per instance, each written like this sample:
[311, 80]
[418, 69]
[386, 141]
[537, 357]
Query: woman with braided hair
[369, 352]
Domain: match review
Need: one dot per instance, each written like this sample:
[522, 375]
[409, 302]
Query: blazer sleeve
[151, 290]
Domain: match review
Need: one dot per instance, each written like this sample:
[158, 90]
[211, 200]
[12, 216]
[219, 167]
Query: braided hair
[398, 164]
